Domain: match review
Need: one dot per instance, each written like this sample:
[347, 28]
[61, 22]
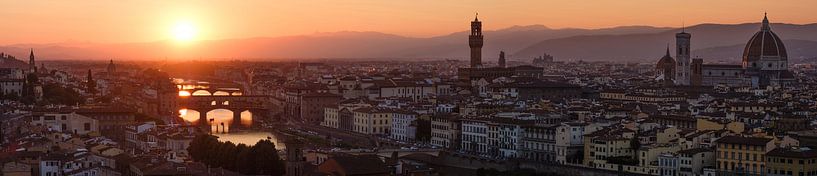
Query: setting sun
[184, 31]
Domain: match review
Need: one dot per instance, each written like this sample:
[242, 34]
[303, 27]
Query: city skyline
[693, 99]
[186, 21]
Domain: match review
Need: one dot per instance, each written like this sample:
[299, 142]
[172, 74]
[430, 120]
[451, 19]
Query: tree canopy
[259, 159]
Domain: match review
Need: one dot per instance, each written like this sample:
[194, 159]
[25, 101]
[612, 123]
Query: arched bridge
[237, 105]
[211, 92]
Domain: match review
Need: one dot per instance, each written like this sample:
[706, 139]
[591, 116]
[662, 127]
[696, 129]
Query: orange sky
[106, 21]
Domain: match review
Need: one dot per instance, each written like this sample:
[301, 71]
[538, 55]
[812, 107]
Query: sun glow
[184, 31]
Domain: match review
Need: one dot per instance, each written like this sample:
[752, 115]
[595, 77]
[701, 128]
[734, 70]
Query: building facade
[742, 155]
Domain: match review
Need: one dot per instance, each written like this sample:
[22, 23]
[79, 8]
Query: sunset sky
[105, 21]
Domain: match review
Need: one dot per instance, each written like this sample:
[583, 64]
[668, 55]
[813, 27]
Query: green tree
[260, 159]
[244, 164]
[269, 163]
[56, 94]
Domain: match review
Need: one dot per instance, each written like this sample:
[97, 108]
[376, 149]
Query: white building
[50, 165]
[539, 143]
[570, 141]
[693, 161]
[403, 126]
[474, 136]
[414, 89]
[668, 164]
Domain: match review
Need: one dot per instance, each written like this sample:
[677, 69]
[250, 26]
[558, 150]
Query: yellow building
[712, 124]
[66, 122]
[667, 135]
[608, 143]
[372, 120]
[791, 161]
[742, 155]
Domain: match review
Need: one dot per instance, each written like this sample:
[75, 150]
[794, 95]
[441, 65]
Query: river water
[250, 138]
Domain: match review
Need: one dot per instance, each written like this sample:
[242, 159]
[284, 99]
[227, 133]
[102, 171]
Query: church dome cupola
[667, 60]
[765, 50]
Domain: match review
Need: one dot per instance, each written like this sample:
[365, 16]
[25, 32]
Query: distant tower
[90, 85]
[295, 158]
[32, 67]
[697, 72]
[111, 67]
[501, 59]
[475, 41]
[42, 68]
[682, 70]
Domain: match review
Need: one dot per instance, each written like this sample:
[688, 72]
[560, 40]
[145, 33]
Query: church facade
[764, 63]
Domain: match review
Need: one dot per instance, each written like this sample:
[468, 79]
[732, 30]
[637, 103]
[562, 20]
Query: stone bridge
[212, 92]
[257, 105]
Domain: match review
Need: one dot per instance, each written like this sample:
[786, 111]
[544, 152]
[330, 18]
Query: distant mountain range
[712, 41]
[628, 43]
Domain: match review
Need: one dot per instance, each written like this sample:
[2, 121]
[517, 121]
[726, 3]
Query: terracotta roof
[361, 164]
[695, 151]
[755, 141]
[764, 43]
[793, 153]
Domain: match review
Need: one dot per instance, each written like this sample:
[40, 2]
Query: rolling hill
[630, 43]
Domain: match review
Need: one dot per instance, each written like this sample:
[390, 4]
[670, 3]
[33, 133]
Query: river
[250, 138]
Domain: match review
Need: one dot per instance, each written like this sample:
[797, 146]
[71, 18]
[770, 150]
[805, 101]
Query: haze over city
[408, 88]
[123, 28]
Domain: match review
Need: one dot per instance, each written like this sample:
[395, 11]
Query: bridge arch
[246, 118]
[201, 93]
[220, 119]
[214, 118]
[190, 115]
[221, 93]
[233, 111]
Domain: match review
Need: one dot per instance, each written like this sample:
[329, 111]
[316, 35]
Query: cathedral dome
[764, 45]
[666, 61]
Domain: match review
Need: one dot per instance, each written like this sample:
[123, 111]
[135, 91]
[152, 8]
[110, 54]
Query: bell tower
[475, 41]
[501, 61]
[682, 56]
[32, 67]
